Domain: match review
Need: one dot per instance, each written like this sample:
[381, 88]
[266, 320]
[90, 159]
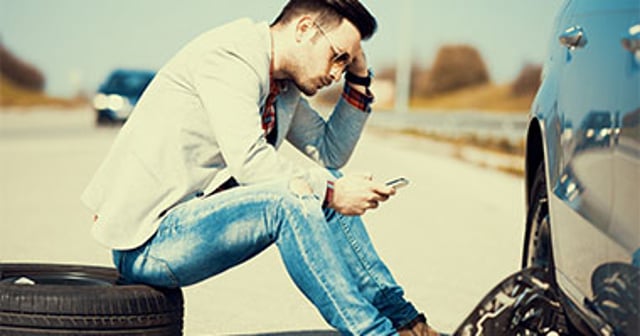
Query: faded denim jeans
[329, 256]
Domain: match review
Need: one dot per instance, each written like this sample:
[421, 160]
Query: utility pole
[403, 66]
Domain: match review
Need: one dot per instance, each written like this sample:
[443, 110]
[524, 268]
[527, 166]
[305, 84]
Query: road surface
[448, 237]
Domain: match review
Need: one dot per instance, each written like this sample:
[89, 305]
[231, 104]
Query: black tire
[537, 244]
[538, 254]
[522, 304]
[44, 299]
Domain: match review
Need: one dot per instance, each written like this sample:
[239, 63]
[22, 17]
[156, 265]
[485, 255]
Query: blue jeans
[329, 256]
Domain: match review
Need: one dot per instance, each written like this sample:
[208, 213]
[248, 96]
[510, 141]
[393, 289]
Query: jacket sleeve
[229, 88]
[330, 142]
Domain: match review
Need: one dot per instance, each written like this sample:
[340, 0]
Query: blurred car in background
[119, 93]
[583, 171]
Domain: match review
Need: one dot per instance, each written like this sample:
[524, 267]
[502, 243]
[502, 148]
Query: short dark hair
[332, 12]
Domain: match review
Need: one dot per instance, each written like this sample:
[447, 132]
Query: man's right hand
[354, 195]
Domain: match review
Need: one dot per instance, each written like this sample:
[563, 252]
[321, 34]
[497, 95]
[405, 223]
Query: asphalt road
[448, 237]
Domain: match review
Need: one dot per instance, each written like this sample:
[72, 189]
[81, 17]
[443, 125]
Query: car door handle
[631, 42]
[573, 38]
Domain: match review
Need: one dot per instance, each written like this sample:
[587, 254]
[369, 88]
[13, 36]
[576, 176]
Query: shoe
[418, 327]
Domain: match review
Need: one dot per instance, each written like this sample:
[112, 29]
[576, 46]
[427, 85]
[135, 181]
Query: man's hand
[354, 195]
[358, 65]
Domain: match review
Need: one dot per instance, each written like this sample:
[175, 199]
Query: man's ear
[304, 28]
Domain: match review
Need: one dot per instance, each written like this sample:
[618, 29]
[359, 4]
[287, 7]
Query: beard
[306, 87]
[305, 84]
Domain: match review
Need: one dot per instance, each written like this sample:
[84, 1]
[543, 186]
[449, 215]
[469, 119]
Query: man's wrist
[359, 72]
[358, 96]
[362, 79]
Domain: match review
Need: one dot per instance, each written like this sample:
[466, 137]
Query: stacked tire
[45, 299]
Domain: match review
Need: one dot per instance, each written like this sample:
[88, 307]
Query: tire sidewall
[109, 305]
[538, 250]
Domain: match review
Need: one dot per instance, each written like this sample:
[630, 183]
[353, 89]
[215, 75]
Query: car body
[116, 97]
[583, 166]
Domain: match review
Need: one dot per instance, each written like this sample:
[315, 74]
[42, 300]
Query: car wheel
[538, 254]
[538, 249]
[43, 299]
[523, 304]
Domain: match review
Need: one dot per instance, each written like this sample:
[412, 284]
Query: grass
[499, 145]
[12, 95]
[489, 97]
[495, 145]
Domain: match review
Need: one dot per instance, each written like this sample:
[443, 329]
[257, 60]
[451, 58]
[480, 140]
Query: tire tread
[114, 309]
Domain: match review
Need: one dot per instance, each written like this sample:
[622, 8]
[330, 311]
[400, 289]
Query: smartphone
[397, 182]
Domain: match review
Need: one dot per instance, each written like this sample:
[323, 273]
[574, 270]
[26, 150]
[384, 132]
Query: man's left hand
[358, 65]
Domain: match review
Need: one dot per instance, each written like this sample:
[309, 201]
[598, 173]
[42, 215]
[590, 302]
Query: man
[193, 184]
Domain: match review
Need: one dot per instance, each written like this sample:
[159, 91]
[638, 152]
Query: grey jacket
[199, 123]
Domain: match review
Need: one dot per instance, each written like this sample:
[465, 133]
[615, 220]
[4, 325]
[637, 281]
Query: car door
[597, 77]
[616, 284]
[599, 99]
[625, 219]
[585, 104]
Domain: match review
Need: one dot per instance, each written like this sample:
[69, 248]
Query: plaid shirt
[357, 99]
[269, 113]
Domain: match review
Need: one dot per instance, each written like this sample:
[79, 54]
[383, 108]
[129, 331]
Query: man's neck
[278, 54]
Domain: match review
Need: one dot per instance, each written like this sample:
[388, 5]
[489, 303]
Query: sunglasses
[340, 58]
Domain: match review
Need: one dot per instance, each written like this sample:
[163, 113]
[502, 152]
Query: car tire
[538, 254]
[537, 246]
[46, 299]
[522, 304]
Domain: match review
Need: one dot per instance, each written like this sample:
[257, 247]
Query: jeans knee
[300, 187]
[297, 195]
[298, 203]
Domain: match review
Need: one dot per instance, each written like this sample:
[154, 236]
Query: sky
[76, 43]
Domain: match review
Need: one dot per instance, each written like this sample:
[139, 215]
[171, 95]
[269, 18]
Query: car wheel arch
[534, 155]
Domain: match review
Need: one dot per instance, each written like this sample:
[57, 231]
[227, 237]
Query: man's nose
[336, 71]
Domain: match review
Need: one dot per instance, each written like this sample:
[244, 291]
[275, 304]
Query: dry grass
[499, 145]
[483, 97]
[12, 95]
[460, 145]
[519, 172]
[456, 67]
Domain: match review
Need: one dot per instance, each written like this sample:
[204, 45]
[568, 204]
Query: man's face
[324, 54]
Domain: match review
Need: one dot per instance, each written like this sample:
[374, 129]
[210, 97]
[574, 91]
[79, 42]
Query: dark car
[583, 168]
[119, 93]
